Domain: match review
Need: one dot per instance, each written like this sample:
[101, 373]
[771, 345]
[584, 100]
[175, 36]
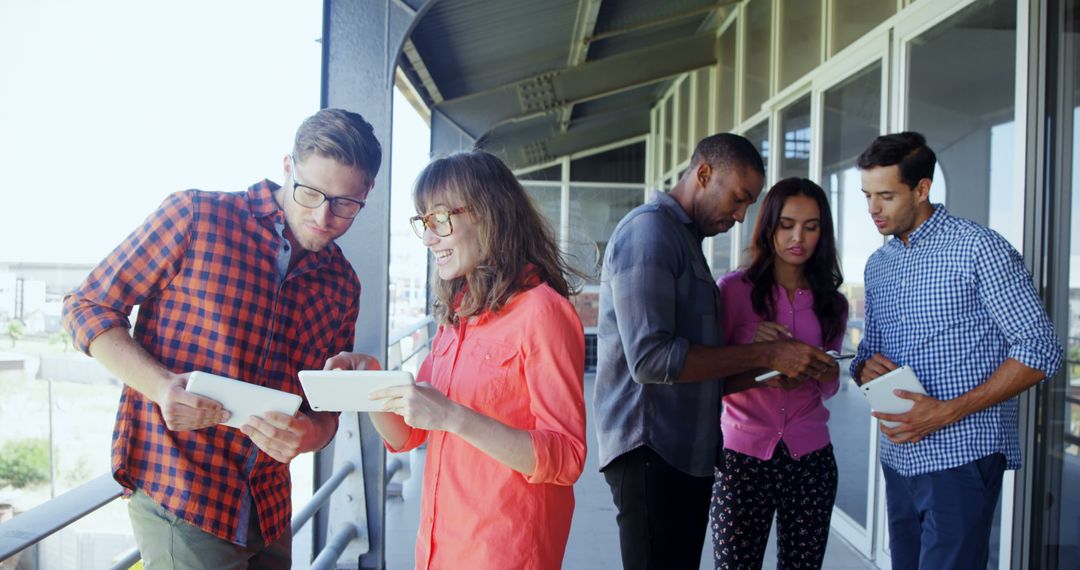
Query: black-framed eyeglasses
[309, 197]
[438, 222]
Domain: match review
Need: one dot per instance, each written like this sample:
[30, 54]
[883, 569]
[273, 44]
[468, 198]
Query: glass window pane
[701, 122]
[720, 262]
[682, 134]
[961, 96]
[623, 164]
[725, 80]
[795, 128]
[655, 144]
[800, 39]
[553, 173]
[669, 125]
[594, 213]
[758, 56]
[853, 18]
[548, 199]
[852, 118]
[759, 135]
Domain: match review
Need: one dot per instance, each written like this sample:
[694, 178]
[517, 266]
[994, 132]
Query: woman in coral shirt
[500, 398]
[777, 455]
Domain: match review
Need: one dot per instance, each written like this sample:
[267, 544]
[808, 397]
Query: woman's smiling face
[459, 253]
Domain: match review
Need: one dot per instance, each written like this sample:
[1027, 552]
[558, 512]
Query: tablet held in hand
[347, 390]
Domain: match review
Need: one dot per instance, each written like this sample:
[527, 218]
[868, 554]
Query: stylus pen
[774, 373]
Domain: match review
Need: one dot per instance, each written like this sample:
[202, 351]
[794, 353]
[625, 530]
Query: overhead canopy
[532, 81]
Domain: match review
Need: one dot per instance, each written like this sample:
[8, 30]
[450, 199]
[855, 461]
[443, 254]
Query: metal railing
[37, 524]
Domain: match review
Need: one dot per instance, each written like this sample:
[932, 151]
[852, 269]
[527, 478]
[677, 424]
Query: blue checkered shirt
[954, 304]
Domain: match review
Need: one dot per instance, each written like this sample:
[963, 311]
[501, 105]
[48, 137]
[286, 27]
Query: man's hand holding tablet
[926, 414]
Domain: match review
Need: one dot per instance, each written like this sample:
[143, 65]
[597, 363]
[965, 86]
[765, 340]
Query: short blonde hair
[340, 135]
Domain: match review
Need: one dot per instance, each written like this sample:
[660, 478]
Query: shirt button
[779, 433]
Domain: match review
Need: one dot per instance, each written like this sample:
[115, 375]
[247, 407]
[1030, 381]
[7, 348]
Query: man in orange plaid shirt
[248, 285]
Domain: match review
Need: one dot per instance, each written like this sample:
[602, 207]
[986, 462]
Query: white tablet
[347, 390]
[242, 399]
[879, 392]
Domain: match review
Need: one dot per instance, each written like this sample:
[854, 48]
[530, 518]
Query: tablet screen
[347, 390]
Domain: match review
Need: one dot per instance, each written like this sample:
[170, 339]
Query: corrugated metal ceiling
[530, 78]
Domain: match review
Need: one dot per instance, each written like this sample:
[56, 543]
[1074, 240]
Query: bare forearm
[708, 363]
[509, 446]
[393, 429]
[325, 427]
[1010, 379]
[130, 362]
[741, 382]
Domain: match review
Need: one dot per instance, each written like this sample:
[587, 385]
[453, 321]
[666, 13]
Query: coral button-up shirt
[755, 420]
[523, 366]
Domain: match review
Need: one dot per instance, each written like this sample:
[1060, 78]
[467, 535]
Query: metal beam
[542, 128]
[652, 22]
[547, 93]
[413, 56]
[584, 26]
[523, 151]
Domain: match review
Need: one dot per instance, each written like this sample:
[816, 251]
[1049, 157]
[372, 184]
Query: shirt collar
[262, 204]
[527, 279]
[666, 202]
[927, 228]
[261, 200]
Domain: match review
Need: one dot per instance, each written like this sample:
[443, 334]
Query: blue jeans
[942, 519]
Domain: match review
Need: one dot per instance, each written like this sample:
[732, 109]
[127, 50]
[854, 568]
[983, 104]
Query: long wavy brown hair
[512, 233]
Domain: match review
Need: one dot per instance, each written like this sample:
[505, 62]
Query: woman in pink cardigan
[777, 455]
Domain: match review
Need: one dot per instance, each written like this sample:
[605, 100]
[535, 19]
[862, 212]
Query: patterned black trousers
[749, 491]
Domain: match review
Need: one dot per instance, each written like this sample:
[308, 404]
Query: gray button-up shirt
[657, 297]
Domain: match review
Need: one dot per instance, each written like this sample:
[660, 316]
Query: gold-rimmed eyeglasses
[438, 222]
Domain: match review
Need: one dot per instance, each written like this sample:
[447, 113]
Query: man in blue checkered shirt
[954, 301]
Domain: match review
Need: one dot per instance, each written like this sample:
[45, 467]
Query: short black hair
[908, 150]
[726, 149]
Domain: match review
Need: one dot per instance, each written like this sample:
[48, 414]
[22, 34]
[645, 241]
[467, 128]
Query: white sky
[106, 107]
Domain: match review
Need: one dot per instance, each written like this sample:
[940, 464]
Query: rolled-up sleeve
[554, 375]
[417, 436]
[1006, 289]
[642, 276]
[137, 269]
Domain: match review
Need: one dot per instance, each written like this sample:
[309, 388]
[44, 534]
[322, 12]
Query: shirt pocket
[311, 332]
[496, 372]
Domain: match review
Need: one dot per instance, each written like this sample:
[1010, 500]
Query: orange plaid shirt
[204, 271]
[524, 367]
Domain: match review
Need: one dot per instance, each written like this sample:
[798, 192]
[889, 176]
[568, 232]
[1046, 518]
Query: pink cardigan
[755, 420]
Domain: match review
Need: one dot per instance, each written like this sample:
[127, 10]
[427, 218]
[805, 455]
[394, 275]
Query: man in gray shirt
[662, 359]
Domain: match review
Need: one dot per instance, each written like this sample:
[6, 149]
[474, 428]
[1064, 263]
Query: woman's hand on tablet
[421, 406]
[352, 361]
